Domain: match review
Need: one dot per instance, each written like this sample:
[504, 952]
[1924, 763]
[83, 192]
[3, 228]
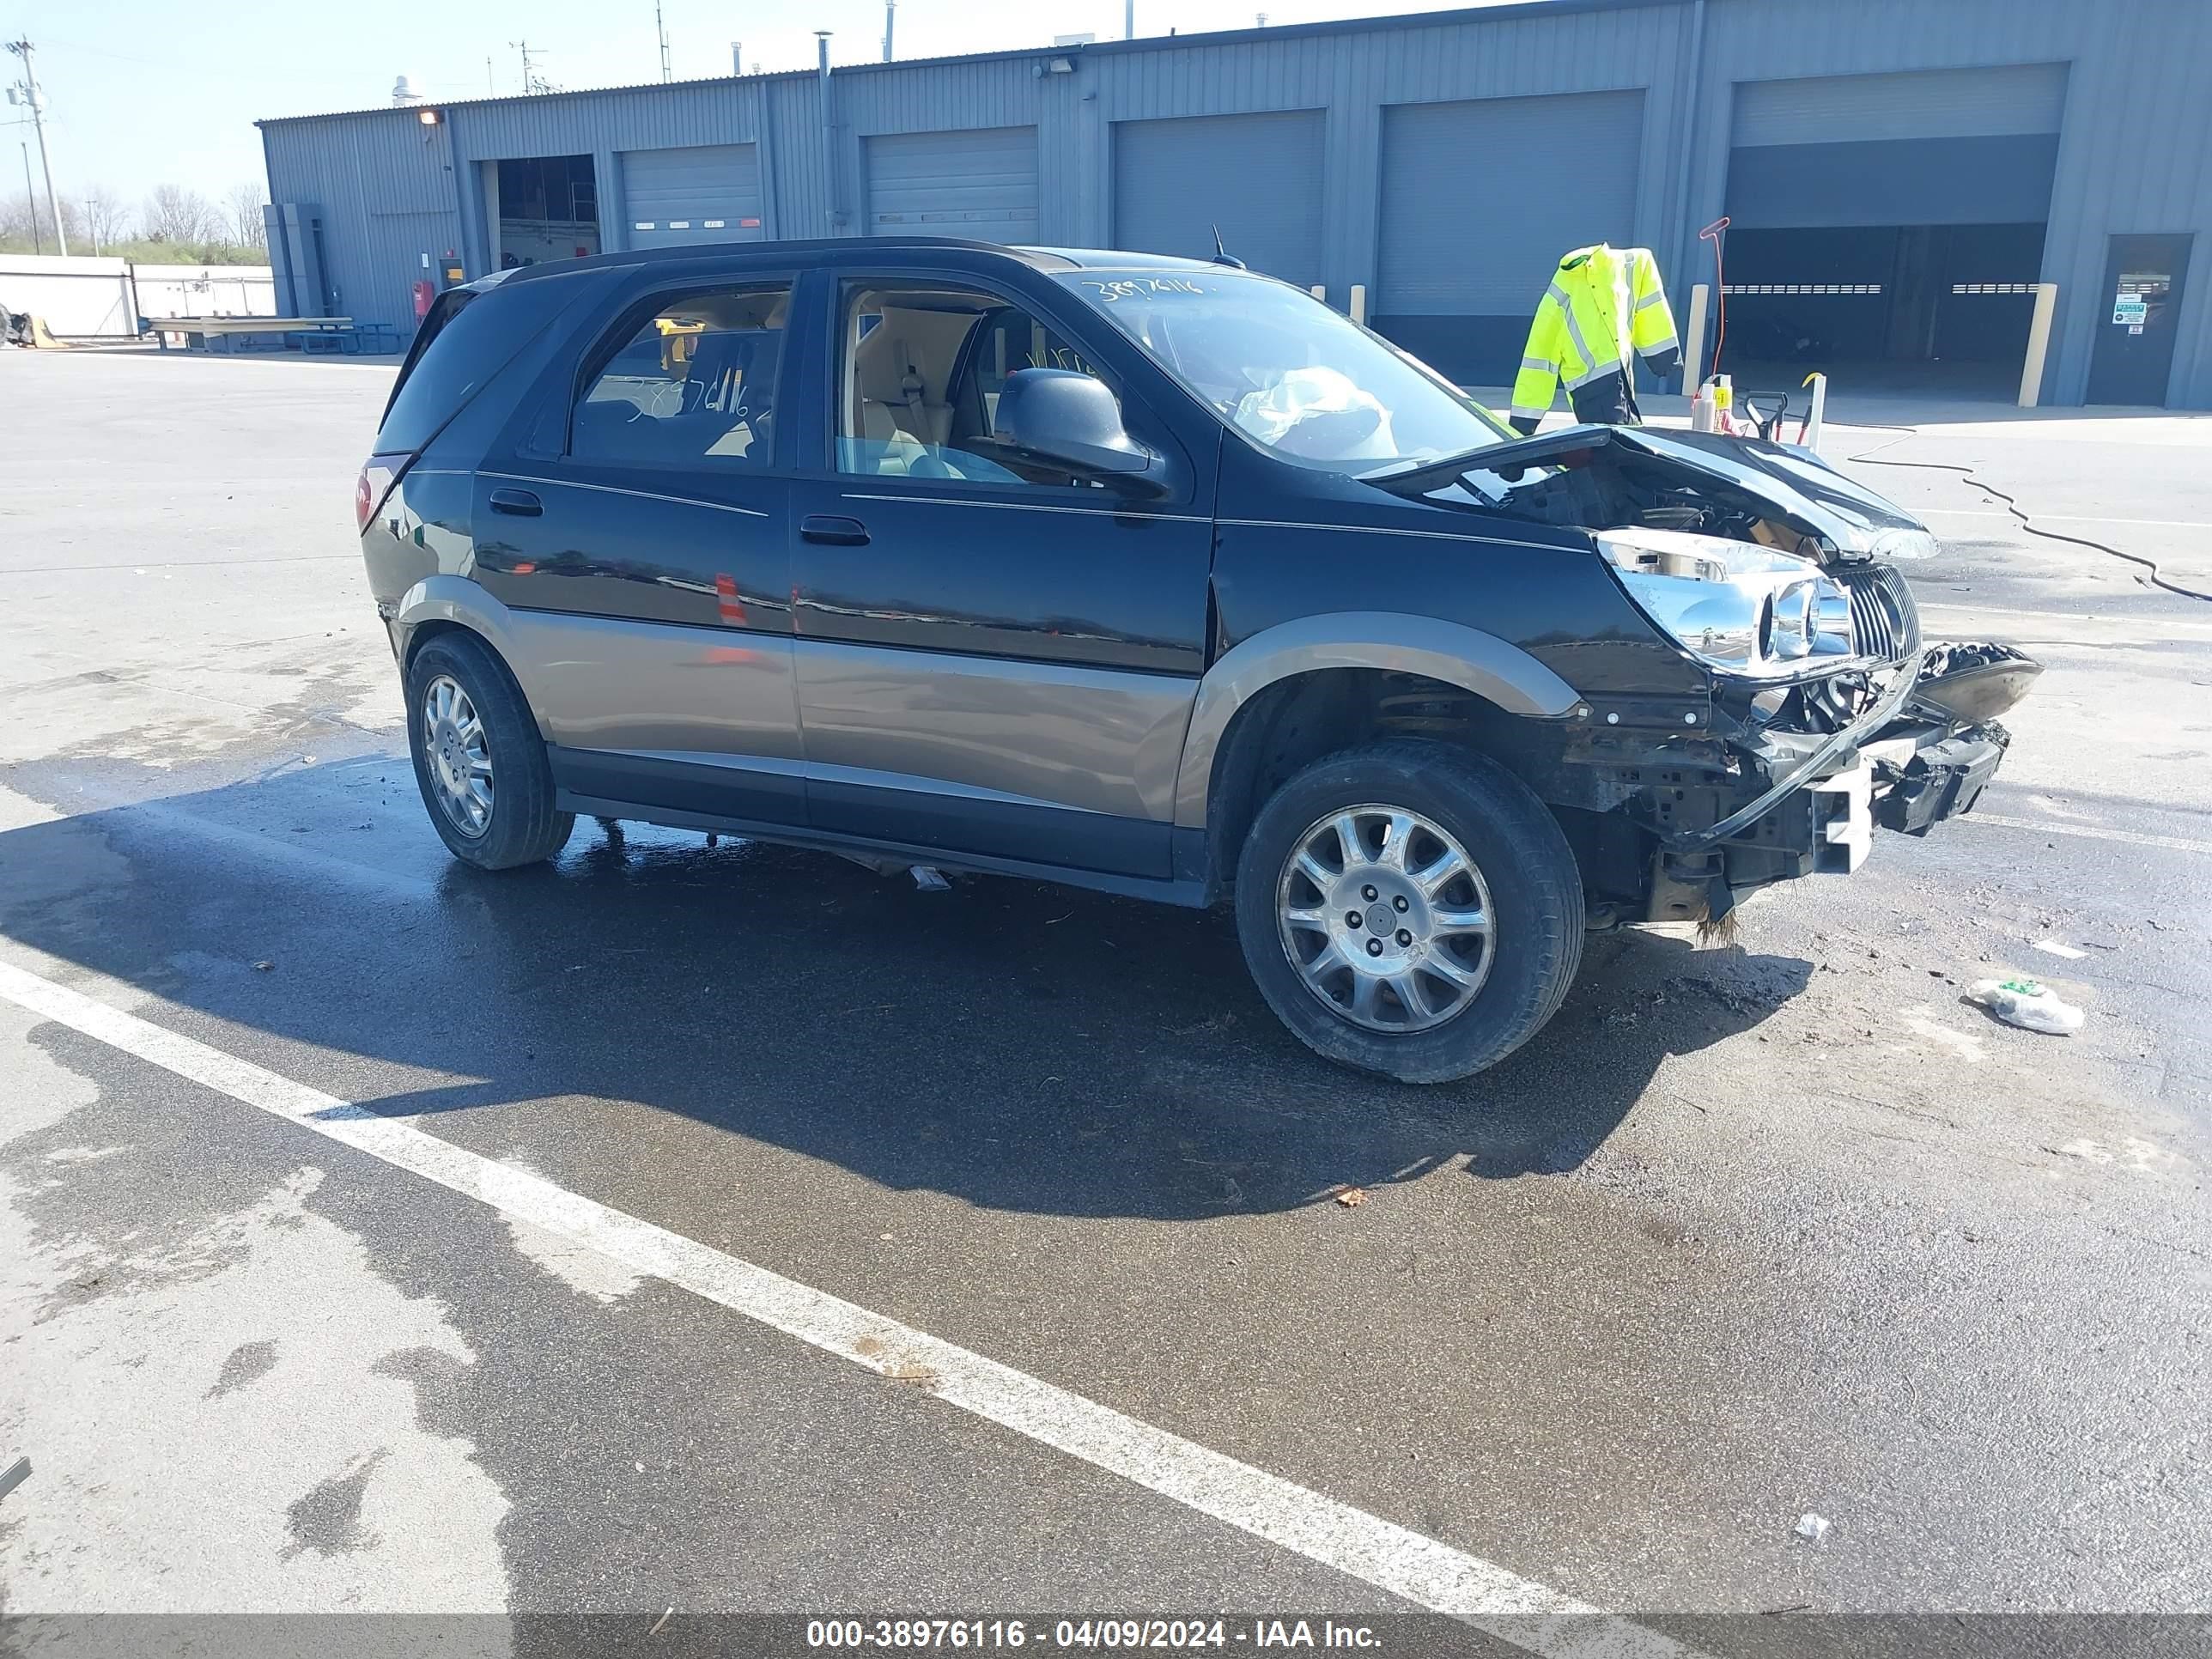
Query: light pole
[31, 200]
[29, 90]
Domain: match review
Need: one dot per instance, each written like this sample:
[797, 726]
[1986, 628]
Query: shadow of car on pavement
[1016, 1045]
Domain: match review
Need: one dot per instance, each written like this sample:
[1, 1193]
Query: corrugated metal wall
[2134, 154]
[2135, 151]
[389, 208]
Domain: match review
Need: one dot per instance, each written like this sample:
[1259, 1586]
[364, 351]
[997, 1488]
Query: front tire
[479, 761]
[1409, 909]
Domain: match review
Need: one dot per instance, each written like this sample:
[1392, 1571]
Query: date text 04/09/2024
[1168, 1635]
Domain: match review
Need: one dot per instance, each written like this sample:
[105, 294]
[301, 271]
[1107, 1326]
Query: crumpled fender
[1493, 669]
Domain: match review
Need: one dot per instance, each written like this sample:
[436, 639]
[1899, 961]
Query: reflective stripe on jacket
[1603, 303]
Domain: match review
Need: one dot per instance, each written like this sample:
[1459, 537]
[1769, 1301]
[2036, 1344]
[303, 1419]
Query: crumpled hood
[1784, 481]
[1797, 482]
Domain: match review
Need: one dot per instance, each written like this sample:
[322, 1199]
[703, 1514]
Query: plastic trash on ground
[930, 880]
[2029, 1004]
[1811, 1529]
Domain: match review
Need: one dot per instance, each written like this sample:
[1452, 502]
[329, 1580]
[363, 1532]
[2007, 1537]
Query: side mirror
[1057, 414]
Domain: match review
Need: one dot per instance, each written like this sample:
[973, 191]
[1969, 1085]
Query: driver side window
[922, 367]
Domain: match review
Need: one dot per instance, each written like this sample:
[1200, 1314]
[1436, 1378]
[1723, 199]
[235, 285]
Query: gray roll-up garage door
[1258, 177]
[1479, 200]
[701, 193]
[981, 183]
[1928, 147]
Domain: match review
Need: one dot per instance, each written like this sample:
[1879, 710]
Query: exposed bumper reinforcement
[1818, 765]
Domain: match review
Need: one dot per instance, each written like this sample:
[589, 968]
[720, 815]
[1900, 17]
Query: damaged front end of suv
[1826, 714]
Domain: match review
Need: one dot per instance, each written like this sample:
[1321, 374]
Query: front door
[636, 532]
[2137, 311]
[991, 658]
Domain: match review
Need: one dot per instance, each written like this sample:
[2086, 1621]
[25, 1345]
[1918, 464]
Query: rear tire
[479, 761]
[1411, 909]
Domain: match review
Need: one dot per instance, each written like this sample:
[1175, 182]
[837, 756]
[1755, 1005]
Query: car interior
[923, 369]
[698, 380]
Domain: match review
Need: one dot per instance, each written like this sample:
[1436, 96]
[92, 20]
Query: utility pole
[661, 29]
[491, 88]
[29, 94]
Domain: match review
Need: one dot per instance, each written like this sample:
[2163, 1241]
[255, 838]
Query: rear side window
[694, 383]
[469, 335]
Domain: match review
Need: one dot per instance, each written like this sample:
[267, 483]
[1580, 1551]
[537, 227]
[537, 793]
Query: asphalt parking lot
[1746, 1234]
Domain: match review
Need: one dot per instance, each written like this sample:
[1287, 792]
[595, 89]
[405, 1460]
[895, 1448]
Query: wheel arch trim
[456, 600]
[1493, 669]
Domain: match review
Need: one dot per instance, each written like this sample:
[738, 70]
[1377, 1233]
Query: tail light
[377, 474]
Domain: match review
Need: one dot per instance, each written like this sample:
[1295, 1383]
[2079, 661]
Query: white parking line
[1406, 1564]
[2057, 628]
[2063, 518]
[2174, 843]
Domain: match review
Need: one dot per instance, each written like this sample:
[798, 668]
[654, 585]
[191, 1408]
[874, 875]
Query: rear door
[991, 658]
[633, 518]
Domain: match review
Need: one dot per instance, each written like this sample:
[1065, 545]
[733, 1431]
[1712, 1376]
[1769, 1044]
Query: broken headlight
[1734, 605]
[1891, 546]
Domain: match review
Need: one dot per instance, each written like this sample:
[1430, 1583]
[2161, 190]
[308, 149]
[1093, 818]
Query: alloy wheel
[459, 757]
[1386, 918]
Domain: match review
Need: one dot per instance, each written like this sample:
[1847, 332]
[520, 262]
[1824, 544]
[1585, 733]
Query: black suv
[1148, 576]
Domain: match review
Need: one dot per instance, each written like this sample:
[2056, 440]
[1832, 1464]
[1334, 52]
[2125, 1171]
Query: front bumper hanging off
[1922, 752]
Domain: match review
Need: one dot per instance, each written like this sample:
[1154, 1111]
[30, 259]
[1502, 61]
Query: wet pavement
[1745, 1233]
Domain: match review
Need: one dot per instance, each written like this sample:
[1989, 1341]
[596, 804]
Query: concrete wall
[93, 298]
[2135, 152]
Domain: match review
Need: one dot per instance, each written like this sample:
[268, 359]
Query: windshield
[1303, 381]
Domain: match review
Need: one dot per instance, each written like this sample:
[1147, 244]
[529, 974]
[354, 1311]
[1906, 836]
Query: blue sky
[145, 92]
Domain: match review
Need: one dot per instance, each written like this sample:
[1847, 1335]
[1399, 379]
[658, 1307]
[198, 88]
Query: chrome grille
[1885, 621]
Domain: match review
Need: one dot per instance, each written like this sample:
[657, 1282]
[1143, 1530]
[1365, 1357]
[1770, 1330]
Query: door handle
[517, 503]
[832, 531]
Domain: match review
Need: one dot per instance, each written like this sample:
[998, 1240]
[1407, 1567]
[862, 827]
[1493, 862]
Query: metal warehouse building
[1898, 173]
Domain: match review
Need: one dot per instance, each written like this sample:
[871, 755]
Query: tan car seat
[898, 406]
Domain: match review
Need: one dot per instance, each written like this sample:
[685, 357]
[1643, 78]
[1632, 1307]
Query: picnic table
[223, 334]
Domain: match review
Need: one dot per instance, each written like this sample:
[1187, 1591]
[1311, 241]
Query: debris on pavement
[262, 967]
[2052, 947]
[1812, 1529]
[930, 880]
[14, 1475]
[2029, 1004]
[1351, 1197]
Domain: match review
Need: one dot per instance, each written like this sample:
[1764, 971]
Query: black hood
[1786, 480]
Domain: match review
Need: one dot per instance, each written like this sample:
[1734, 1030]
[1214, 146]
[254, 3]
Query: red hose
[1715, 233]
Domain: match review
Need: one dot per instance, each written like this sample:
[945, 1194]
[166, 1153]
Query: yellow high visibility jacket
[1603, 303]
